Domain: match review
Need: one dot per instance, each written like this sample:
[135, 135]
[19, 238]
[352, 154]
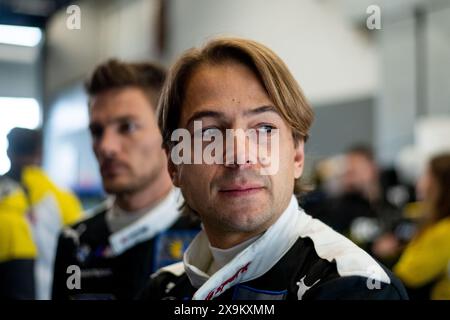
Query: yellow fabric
[15, 202]
[70, 208]
[426, 259]
[413, 210]
[16, 240]
[39, 185]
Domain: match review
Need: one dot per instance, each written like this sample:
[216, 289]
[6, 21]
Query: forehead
[229, 87]
[115, 103]
[358, 161]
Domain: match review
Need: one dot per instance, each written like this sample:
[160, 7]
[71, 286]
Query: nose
[107, 145]
[240, 149]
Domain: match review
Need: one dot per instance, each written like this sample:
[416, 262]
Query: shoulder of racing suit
[320, 264]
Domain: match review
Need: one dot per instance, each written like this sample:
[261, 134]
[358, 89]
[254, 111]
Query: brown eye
[210, 132]
[266, 128]
[96, 132]
[127, 127]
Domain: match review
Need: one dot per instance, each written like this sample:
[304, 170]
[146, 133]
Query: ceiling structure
[33, 13]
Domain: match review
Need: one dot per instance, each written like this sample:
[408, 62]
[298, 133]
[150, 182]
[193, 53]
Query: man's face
[360, 173]
[230, 197]
[126, 140]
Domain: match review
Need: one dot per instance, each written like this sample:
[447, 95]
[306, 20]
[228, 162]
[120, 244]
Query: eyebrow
[214, 114]
[120, 119]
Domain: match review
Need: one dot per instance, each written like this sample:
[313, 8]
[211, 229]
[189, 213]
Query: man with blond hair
[256, 242]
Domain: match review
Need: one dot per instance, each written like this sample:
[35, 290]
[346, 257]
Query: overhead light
[20, 35]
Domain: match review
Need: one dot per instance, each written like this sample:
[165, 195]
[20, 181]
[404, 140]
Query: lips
[240, 190]
[109, 169]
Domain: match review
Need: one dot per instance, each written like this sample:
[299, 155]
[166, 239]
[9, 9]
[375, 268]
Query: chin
[116, 187]
[250, 207]
[247, 225]
[245, 217]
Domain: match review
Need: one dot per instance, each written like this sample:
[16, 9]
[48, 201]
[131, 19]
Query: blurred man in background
[359, 207]
[141, 228]
[366, 212]
[30, 198]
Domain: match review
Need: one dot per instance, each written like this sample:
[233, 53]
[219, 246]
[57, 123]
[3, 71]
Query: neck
[15, 173]
[147, 197]
[224, 239]
[228, 240]
[221, 257]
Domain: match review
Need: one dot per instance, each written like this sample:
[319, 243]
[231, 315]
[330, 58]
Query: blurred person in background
[35, 210]
[17, 249]
[424, 266]
[140, 228]
[358, 207]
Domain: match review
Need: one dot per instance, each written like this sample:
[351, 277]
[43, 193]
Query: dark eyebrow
[124, 119]
[121, 119]
[214, 114]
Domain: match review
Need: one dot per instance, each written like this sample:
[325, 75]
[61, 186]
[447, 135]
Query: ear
[299, 158]
[174, 171]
